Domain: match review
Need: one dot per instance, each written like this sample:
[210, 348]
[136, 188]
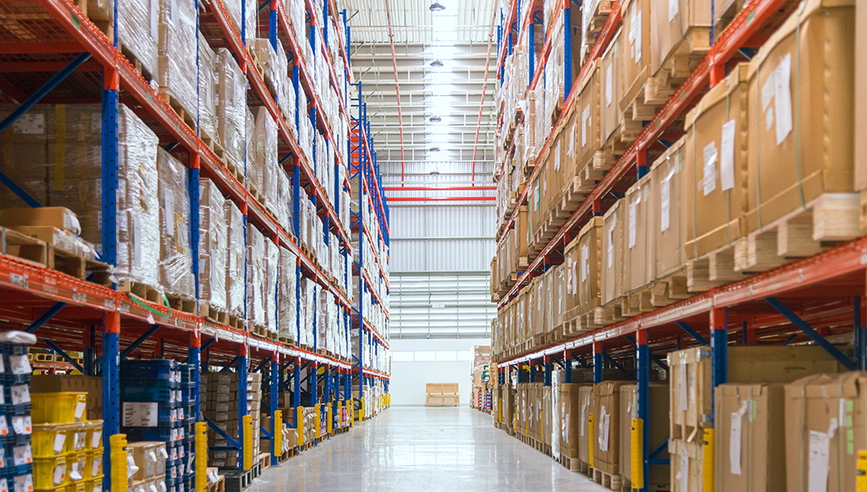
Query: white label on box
[585, 262]
[638, 28]
[769, 119]
[30, 124]
[140, 414]
[709, 177]
[79, 409]
[22, 424]
[632, 221]
[735, 437]
[817, 471]
[767, 92]
[585, 117]
[59, 474]
[4, 428]
[95, 468]
[20, 394]
[665, 203]
[684, 396]
[783, 98]
[673, 7]
[96, 125]
[59, 442]
[557, 157]
[610, 248]
[727, 156]
[606, 427]
[24, 483]
[575, 278]
[169, 207]
[96, 439]
[571, 152]
[4, 485]
[79, 439]
[20, 364]
[609, 84]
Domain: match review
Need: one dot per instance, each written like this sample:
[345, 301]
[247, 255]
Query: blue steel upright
[597, 362]
[242, 400]
[643, 363]
[275, 392]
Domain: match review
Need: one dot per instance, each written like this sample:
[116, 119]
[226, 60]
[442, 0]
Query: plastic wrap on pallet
[231, 102]
[255, 150]
[176, 262]
[269, 282]
[322, 320]
[67, 174]
[234, 9]
[212, 245]
[177, 53]
[255, 280]
[138, 209]
[285, 199]
[207, 90]
[287, 315]
[138, 31]
[236, 259]
[266, 136]
[302, 219]
[308, 298]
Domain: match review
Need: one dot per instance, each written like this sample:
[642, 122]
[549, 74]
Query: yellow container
[94, 434]
[93, 485]
[79, 486]
[75, 466]
[93, 467]
[61, 488]
[51, 440]
[50, 473]
[77, 439]
[56, 408]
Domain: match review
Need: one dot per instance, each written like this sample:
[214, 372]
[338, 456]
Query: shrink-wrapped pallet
[138, 32]
[138, 207]
[256, 261]
[177, 53]
[231, 104]
[207, 90]
[213, 248]
[234, 7]
[308, 293]
[269, 287]
[237, 262]
[266, 157]
[287, 316]
[176, 261]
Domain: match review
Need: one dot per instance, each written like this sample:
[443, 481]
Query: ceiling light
[434, 149]
[435, 119]
[437, 7]
[436, 64]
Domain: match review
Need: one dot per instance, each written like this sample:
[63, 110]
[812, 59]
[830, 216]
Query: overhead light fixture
[435, 119]
[436, 64]
[434, 149]
[437, 7]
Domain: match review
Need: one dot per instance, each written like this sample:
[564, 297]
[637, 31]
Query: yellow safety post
[316, 421]
[637, 439]
[499, 410]
[361, 410]
[201, 433]
[590, 441]
[707, 464]
[350, 412]
[299, 426]
[119, 464]
[247, 421]
[339, 414]
[277, 435]
[861, 472]
[329, 424]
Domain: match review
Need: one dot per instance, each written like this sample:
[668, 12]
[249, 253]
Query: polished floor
[409, 449]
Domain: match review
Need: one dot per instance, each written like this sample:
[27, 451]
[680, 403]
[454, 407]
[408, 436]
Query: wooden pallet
[627, 486]
[568, 463]
[726, 12]
[140, 290]
[181, 303]
[291, 453]
[259, 197]
[825, 221]
[609, 313]
[32, 250]
[613, 482]
[235, 170]
[102, 20]
[260, 330]
[265, 460]
[597, 20]
[219, 485]
[136, 63]
[186, 115]
[211, 313]
[236, 480]
[691, 49]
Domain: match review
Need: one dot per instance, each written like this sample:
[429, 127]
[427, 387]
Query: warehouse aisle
[413, 449]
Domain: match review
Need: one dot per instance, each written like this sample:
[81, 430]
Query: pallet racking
[802, 301]
[53, 44]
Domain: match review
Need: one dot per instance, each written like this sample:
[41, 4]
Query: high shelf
[72, 58]
[803, 301]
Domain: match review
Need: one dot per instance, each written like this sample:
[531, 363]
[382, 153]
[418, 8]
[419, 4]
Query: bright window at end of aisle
[447, 356]
[465, 355]
[402, 356]
[425, 356]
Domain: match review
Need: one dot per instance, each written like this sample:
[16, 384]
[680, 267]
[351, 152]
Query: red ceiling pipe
[484, 89]
[438, 188]
[397, 86]
[443, 199]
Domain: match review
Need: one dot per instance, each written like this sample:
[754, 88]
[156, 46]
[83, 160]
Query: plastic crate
[58, 408]
[79, 486]
[75, 465]
[93, 485]
[93, 465]
[49, 440]
[148, 369]
[164, 432]
[50, 472]
[94, 435]
[145, 391]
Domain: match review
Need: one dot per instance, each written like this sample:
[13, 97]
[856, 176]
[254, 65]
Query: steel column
[643, 363]
[597, 362]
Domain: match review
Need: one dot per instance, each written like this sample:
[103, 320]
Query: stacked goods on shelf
[481, 377]
[691, 399]
[230, 102]
[57, 226]
[176, 61]
[18, 471]
[659, 478]
[176, 263]
[220, 404]
[607, 409]
[207, 93]
[213, 251]
[236, 263]
[442, 395]
[157, 406]
[572, 428]
[150, 467]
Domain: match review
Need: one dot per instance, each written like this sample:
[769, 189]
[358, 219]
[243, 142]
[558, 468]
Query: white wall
[408, 379]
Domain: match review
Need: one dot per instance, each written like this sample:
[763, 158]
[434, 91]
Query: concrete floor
[409, 449]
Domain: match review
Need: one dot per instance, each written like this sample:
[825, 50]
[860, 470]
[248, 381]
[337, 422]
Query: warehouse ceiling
[458, 37]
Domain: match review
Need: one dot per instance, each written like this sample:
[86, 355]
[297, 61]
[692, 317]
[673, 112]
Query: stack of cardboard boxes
[442, 395]
[220, 404]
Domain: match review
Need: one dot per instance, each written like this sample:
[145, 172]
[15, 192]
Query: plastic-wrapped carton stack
[213, 249]
[220, 405]
[176, 274]
[176, 55]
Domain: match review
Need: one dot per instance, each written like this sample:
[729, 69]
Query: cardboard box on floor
[691, 393]
[687, 462]
[585, 408]
[606, 423]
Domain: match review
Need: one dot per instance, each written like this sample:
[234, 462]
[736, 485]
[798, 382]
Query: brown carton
[606, 427]
[679, 28]
[714, 177]
[687, 463]
[795, 83]
[587, 119]
[59, 217]
[657, 431]
[572, 259]
[638, 251]
[589, 260]
[825, 429]
[612, 252]
[570, 420]
[749, 437]
[665, 195]
[611, 90]
[636, 16]
[585, 408]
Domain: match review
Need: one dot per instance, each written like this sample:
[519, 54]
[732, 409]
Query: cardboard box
[570, 418]
[606, 426]
[749, 437]
[587, 118]
[147, 457]
[612, 253]
[59, 217]
[589, 262]
[791, 167]
[825, 427]
[691, 394]
[679, 29]
[636, 16]
[861, 101]
[714, 193]
[665, 211]
[657, 425]
[687, 462]
[611, 89]
[638, 251]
